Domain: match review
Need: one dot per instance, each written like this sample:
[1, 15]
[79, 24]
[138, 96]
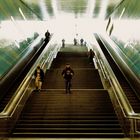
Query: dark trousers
[63, 45]
[68, 85]
[90, 59]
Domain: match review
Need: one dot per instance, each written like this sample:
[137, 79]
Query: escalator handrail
[122, 100]
[28, 49]
[14, 102]
[115, 46]
[121, 97]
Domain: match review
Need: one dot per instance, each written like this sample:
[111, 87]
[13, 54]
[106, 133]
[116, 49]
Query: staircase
[86, 112]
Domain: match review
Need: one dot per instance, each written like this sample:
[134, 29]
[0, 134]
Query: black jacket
[67, 73]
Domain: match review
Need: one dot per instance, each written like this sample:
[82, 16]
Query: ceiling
[49, 9]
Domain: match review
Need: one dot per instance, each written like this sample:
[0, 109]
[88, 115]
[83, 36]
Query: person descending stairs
[87, 112]
[68, 73]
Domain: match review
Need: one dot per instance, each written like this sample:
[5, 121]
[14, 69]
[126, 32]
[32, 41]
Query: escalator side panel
[133, 99]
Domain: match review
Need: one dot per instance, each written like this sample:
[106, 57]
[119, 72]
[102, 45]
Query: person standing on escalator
[63, 43]
[47, 37]
[39, 77]
[67, 74]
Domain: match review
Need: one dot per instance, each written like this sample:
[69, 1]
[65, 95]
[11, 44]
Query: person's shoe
[69, 92]
[36, 90]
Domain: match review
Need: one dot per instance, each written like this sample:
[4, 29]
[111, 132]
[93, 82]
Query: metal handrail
[28, 49]
[14, 102]
[102, 68]
[121, 97]
[131, 114]
[115, 46]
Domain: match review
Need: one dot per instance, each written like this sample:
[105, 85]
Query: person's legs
[90, 60]
[36, 83]
[69, 86]
[66, 85]
[63, 45]
[39, 85]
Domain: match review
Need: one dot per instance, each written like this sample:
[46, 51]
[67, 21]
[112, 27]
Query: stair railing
[11, 112]
[125, 112]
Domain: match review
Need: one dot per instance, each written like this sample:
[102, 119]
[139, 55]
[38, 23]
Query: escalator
[131, 95]
[15, 78]
[86, 112]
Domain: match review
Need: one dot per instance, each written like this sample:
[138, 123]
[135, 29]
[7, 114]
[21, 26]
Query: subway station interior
[104, 102]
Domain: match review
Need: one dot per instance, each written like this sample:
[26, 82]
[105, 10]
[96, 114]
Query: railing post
[132, 127]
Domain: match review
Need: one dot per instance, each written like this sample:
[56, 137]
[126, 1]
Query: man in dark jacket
[39, 77]
[67, 73]
[91, 56]
[47, 37]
